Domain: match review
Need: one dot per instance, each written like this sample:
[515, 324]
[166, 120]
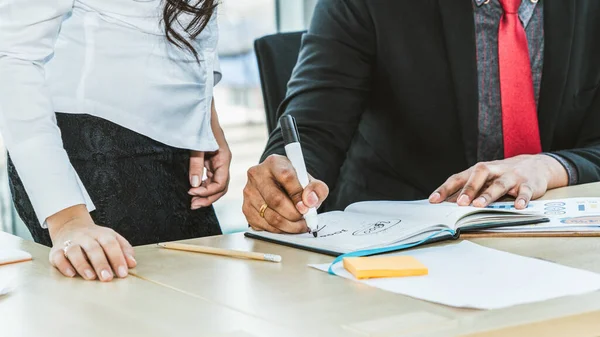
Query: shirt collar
[481, 2]
[525, 11]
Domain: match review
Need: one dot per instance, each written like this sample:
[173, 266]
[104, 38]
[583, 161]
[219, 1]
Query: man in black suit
[393, 97]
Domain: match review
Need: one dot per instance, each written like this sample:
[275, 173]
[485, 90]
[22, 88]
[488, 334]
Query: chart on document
[574, 214]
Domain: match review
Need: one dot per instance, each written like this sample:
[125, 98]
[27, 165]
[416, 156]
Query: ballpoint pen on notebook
[293, 151]
[220, 251]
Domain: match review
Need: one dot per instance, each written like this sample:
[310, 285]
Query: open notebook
[378, 224]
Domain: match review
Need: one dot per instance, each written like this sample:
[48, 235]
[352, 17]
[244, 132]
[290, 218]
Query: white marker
[293, 150]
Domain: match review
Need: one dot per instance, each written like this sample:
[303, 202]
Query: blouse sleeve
[28, 31]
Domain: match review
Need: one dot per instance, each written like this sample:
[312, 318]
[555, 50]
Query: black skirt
[138, 185]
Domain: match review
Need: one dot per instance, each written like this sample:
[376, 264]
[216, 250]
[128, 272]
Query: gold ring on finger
[262, 210]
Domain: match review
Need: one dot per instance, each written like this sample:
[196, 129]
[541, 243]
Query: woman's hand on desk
[273, 187]
[82, 247]
[524, 177]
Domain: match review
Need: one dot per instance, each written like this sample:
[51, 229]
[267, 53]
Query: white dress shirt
[107, 58]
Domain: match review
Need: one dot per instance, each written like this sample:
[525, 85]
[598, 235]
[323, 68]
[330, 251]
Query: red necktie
[519, 112]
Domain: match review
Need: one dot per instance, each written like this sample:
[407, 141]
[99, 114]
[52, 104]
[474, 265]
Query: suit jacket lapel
[559, 25]
[459, 35]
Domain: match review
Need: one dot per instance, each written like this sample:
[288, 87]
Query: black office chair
[277, 55]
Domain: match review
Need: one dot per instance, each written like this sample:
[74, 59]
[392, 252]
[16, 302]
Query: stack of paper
[13, 255]
[471, 276]
[8, 256]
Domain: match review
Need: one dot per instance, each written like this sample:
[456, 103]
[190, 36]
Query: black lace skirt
[139, 186]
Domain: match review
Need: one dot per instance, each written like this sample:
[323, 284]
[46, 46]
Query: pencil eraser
[384, 266]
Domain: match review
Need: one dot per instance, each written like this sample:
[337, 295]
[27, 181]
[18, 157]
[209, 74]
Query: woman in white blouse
[107, 113]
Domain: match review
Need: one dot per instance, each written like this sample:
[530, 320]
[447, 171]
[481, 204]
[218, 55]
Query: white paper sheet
[7, 274]
[6, 286]
[471, 276]
[572, 214]
[13, 255]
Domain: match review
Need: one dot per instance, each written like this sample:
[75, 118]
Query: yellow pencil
[219, 251]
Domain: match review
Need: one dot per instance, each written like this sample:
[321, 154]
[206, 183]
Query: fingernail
[105, 274]
[195, 181]
[195, 207]
[301, 208]
[88, 274]
[480, 201]
[70, 272]
[312, 199]
[132, 259]
[521, 203]
[435, 196]
[122, 272]
[463, 200]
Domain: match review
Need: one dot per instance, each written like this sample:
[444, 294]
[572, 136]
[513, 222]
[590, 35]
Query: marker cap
[289, 129]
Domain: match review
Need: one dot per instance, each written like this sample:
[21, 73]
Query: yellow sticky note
[384, 266]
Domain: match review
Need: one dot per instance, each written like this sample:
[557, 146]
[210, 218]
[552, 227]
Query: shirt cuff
[568, 165]
[50, 180]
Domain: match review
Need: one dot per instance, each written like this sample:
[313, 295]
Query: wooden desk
[45, 303]
[314, 303]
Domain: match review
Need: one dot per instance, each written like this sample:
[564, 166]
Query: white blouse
[107, 58]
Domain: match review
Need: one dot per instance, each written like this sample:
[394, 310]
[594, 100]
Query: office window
[294, 15]
[240, 23]
[238, 96]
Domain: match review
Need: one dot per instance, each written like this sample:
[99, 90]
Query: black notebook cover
[332, 253]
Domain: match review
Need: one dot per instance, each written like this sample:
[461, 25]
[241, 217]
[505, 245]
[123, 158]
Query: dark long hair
[201, 12]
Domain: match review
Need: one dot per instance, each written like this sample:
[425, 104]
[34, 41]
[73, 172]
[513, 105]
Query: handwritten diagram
[376, 228]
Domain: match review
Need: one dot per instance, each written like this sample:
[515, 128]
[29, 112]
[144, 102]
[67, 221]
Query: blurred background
[238, 98]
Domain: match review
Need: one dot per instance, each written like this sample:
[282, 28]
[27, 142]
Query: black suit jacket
[385, 94]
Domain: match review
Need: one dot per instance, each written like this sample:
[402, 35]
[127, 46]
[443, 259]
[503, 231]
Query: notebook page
[345, 232]
[486, 218]
[421, 210]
